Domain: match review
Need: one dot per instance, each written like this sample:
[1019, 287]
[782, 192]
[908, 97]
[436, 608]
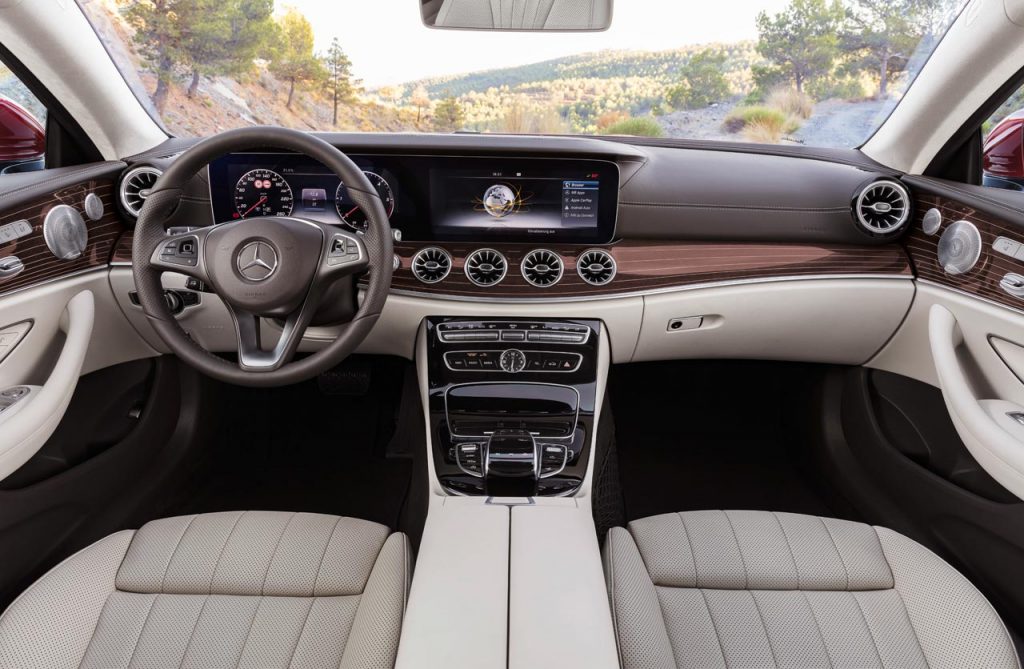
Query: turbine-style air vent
[486, 267]
[135, 187]
[431, 265]
[883, 208]
[596, 267]
[542, 268]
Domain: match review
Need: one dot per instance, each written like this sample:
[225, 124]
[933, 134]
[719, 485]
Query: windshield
[810, 72]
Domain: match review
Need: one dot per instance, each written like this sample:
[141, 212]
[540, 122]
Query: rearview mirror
[518, 15]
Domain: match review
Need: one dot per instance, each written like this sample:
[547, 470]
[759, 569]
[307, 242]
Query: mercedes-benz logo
[257, 261]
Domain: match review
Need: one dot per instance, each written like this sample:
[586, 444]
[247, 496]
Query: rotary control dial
[512, 361]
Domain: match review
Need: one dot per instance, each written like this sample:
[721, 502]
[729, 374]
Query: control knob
[512, 361]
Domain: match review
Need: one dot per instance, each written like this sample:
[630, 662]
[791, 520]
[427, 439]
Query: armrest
[26, 426]
[987, 426]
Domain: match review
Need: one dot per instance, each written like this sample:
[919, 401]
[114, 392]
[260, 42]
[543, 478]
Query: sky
[388, 43]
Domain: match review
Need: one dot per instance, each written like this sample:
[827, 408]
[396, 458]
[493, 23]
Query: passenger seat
[759, 589]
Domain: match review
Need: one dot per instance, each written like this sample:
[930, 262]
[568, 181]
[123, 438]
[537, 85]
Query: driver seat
[239, 589]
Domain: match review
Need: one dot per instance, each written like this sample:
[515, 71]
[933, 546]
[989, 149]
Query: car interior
[290, 396]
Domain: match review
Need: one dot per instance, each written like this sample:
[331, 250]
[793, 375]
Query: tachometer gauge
[263, 193]
[351, 214]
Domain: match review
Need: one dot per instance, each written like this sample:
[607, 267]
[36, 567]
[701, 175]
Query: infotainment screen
[524, 201]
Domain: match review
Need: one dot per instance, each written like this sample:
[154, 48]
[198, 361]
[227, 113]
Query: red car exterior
[1003, 157]
[22, 136]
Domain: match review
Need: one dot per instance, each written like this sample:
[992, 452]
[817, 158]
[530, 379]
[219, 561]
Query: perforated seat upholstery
[234, 590]
[755, 589]
[524, 14]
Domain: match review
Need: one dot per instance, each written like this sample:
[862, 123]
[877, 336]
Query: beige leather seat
[234, 590]
[524, 14]
[754, 589]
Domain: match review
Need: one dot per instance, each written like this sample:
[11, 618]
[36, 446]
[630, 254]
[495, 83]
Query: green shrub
[765, 119]
[639, 127]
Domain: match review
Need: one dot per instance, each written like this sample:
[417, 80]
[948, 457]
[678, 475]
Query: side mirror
[1003, 154]
[518, 15]
[22, 137]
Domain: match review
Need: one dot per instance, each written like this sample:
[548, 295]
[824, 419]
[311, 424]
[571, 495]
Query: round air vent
[542, 268]
[486, 267]
[135, 187]
[431, 265]
[883, 208]
[959, 248]
[596, 267]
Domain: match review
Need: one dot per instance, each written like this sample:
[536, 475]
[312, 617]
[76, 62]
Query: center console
[512, 404]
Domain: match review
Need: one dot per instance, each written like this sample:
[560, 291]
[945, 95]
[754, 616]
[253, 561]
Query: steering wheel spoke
[253, 356]
[183, 253]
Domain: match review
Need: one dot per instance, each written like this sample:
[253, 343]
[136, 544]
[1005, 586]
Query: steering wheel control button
[182, 251]
[513, 361]
[343, 251]
[257, 261]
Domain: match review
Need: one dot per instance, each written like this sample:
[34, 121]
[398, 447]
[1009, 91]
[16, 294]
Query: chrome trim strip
[640, 293]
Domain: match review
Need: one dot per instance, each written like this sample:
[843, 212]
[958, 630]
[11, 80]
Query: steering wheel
[266, 267]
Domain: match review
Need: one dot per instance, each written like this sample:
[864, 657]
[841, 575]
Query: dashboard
[431, 198]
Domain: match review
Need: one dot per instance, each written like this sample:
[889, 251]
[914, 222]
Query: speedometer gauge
[351, 214]
[262, 193]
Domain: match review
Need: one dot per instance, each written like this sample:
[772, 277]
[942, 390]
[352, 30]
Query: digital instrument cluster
[430, 198]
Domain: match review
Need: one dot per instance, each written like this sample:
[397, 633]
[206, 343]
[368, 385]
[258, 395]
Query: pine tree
[339, 69]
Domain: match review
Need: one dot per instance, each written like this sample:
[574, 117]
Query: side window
[22, 126]
[1003, 153]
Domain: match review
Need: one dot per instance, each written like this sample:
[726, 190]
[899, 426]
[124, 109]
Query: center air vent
[431, 265]
[135, 187]
[486, 267]
[596, 267]
[883, 208]
[542, 268]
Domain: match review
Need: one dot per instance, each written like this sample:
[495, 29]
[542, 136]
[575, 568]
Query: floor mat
[300, 449]
[713, 435]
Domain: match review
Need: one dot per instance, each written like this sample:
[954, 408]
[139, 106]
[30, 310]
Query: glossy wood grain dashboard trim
[41, 265]
[983, 280]
[645, 266]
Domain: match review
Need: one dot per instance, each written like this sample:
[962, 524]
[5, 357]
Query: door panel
[58, 229]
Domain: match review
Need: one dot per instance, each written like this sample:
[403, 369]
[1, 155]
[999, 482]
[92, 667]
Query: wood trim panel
[40, 264]
[654, 265]
[983, 280]
[643, 266]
